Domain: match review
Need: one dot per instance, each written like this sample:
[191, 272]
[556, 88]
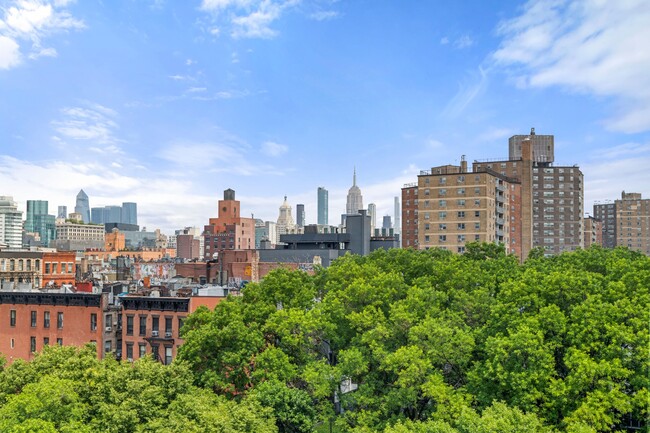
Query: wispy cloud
[493, 134]
[90, 122]
[467, 92]
[271, 148]
[324, 15]
[444, 40]
[253, 18]
[464, 41]
[588, 47]
[30, 22]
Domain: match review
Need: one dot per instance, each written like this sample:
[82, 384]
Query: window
[461, 238]
[108, 347]
[32, 344]
[461, 191]
[461, 202]
[180, 324]
[129, 351]
[46, 319]
[93, 321]
[168, 325]
[46, 341]
[443, 203]
[155, 323]
[426, 238]
[142, 350]
[477, 213]
[442, 226]
[143, 325]
[461, 226]
[47, 268]
[108, 321]
[12, 318]
[461, 214]
[477, 237]
[129, 325]
[59, 320]
[477, 226]
[33, 319]
[155, 352]
[442, 238]
[59, 341]
[69, 268]
[477, 202]
[168, 355]
[442, 192]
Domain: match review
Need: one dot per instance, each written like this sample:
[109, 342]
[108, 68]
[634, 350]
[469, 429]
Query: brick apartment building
[151, 324]
[523, 201]
[34, 319]
[24, 269]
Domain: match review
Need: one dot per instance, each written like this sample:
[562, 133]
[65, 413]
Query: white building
[11, 223]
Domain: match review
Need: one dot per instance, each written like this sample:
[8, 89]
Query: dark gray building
[300, 215]
[323, 206]
[606, 213]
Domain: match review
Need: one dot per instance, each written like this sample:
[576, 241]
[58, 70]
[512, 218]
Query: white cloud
[32, 21]
[249, 18]
[493, 134]
[9, 53]
[92, 122]
[271, 148]
[464, 41]
[591, 47]
[196, 89]
[444, 40]
[324, 15]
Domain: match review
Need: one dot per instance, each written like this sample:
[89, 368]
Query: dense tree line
[399, 341]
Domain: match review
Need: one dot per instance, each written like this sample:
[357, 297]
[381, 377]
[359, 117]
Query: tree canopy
[399, 341]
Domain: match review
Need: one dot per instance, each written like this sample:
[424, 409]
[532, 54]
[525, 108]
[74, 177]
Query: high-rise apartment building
[82, 206]
[11, 223]
[522, 202]
[409, 233]
[355, 199]
[552, 196]
[62, 212]
[593, 232]
[323, 206]
[633, 222]
[300, 215]
[606, 214]
[129, 213]
[543, 146]
[38, 221]
[456, 207]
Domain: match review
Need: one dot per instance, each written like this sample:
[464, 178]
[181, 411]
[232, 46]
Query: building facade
[593, 232]
[229, 230]
[633, 222]
[38, 221]
[73, 236]
[11, 223]
[129, 213]
[606, 214]
[410, 215]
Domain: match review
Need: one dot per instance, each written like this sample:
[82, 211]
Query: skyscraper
[300, 215]
[323, 206]
[372, 213]
[285, 222]
[397, 216]
[62, 212]
[38, 221]
[11, 223]
[112, 214]
[386, 223]
[82, 206]
[97, 215]
[355, 200]
[129, 213]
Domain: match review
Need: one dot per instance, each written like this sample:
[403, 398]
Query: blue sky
[168, 103]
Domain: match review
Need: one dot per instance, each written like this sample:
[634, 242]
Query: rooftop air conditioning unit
[154, 333]
[109, 329]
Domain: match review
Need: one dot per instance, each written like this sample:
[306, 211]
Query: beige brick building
[633, 222]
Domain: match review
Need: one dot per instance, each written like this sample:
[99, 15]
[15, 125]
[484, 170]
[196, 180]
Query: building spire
[354, 176]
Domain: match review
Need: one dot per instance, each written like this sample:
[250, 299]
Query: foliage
[399, 341]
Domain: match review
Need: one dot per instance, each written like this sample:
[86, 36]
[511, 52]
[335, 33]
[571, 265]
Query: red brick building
[32, 320]
[151, 325]
[229, 231]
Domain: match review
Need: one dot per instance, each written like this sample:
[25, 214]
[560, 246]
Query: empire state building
[355, 200]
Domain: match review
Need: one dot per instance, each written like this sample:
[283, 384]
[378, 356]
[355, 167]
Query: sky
[169, 103]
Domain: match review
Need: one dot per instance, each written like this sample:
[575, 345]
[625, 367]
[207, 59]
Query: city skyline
[279, 98]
